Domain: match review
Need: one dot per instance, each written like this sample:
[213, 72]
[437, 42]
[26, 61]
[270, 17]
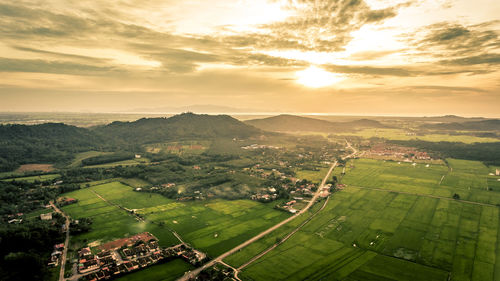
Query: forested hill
[58, 143]
[292, 123]
[183, 126]
[44, 143]
[485, 125]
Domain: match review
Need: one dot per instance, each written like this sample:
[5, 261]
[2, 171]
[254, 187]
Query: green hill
[292, 123]
[44, 143]
[183, 126]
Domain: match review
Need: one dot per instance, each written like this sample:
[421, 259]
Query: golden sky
[415, 57]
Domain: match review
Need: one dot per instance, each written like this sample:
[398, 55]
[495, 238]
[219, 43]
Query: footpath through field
[194, 273]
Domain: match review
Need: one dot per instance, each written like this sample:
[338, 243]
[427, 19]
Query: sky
[368, 57]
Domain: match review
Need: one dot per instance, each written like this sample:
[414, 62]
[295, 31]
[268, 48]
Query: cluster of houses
[63, 201]
[288, 206]
[266, 195]
[15, 218]
[125, 255]
[397, 152]
[259, 146]
[55, 256]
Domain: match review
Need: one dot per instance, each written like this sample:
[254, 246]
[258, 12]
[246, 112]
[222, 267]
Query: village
[122, 256]
[398, 153]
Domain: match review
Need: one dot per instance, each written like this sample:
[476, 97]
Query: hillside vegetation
[57, 143]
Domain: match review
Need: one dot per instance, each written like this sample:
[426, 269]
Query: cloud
[43, 66]
[319, 25]
[457, 40]
[372, 55]
[448, 89]
[484, 59]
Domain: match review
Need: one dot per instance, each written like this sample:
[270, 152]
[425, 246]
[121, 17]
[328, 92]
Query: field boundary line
[426, 195]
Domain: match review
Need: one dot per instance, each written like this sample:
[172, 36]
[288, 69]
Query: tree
[456, 196]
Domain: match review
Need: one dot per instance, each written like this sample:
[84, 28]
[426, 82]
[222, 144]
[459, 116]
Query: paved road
[66, 241]
[192, 274]
[302, 224]
[284, 239]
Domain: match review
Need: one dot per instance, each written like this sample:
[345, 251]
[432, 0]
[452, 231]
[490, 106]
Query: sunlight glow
[315, 77]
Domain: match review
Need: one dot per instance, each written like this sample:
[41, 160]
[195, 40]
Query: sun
[315, 77]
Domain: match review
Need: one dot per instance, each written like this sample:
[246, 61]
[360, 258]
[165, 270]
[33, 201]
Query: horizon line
[254, 113]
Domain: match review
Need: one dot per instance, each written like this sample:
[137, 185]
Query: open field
[134, 182]
[211, 226]
[397, 236]
[186, 147]
[84, 155]
[162, 272]
[36, 214]
[130, 162]
[399, 134]
[314, 176]
[35, 178]
[35, 167]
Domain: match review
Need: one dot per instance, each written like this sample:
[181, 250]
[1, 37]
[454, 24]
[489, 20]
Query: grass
[130, 162]
[162, 272]
[314, 176]
[40, 178]
[84, 155]
[134, 182]
[36, 214]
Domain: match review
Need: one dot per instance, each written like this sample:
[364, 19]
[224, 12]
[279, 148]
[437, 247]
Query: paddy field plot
[163, 272]
[213, 226]
[469, 179]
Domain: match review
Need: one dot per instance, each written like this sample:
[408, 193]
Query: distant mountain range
[292, 123]
[484, 125]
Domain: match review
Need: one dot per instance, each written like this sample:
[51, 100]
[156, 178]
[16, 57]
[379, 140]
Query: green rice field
[392, 222]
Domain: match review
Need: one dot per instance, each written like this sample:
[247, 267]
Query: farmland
[400, 134]
[211, 226]
[392, 222]
[40, 178]
[163, 272]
